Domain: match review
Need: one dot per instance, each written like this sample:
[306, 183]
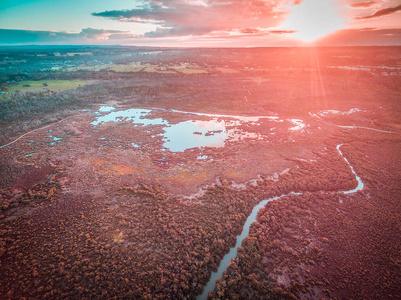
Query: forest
[107, 211]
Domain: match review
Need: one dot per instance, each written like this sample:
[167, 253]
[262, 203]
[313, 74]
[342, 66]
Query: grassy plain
[151, 68]
[45, 85]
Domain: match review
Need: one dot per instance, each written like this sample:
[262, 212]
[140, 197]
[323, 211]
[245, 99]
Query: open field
[102, 68]
[161, 69]
[136, 185]
[45, 85]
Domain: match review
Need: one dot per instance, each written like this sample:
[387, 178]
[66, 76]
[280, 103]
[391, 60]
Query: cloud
[265, 31]
[253, 37]
[88, 35]
[201, 17]
[362, 37]
[363, 4]
[11, 36]
[102, 34]
[382, 12]
[249, 30]
[282, 31]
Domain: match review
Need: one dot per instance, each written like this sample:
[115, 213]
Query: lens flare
[312, 19]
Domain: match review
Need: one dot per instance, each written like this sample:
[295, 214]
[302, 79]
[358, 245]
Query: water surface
[245, 232]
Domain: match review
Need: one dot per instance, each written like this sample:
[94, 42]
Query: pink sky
[222, 23]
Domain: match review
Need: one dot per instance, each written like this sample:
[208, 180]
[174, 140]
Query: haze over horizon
[201, 23]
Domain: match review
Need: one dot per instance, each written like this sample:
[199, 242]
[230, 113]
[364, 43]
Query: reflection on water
[328, 112]
[29, 154]
[191, 134]
[194, 133]
[211, 133]
[242, 118]
[135, 115]
[105, 108]
[360, 185]
[299, 124]
[210, 286]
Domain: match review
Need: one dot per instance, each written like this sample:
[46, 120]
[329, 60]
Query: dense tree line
[139, 242]
[326, 245]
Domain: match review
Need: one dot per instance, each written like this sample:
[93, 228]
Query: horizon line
[192, 47]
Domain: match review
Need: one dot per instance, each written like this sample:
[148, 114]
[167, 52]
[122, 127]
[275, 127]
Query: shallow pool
[187, 134]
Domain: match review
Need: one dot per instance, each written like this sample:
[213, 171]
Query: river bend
[245, 231]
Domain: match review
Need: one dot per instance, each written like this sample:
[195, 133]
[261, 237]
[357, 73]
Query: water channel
[245, 232]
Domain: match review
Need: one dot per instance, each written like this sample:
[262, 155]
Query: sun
[312, 19]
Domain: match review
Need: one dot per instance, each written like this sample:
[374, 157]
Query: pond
[187, 134]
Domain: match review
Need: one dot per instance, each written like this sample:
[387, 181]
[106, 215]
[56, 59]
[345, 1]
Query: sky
[201, 23]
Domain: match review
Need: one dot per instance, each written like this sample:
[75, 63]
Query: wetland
[240, 174]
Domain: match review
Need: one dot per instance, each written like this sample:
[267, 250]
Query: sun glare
[312, 19]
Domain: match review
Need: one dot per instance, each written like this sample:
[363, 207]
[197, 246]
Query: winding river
[245, 232]
[252, 217]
